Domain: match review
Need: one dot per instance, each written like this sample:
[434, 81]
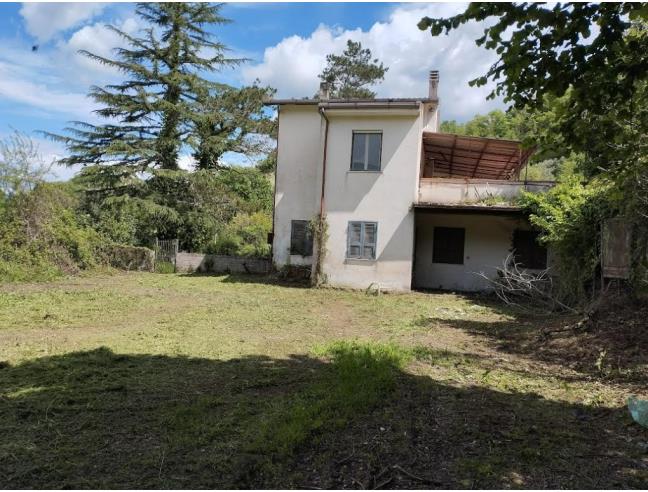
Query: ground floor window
[527, 251]
[448, 245]
[362, 237]
[301, 238]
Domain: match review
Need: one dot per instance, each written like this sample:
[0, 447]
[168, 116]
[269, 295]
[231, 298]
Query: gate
[615, 248]
[166, 250]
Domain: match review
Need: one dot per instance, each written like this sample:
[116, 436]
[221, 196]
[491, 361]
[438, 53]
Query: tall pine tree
[151, 115]
[232, 120]
[349, 74]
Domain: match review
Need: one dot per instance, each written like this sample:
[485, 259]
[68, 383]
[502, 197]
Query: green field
[183, 381]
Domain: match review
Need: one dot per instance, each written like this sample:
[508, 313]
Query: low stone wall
[197, 262]
[127, 257]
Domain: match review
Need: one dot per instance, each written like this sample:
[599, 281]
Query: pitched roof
[350, 102]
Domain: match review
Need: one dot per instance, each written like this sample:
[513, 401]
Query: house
[405, 206]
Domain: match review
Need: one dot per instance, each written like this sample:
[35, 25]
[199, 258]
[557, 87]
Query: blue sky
[286, 43]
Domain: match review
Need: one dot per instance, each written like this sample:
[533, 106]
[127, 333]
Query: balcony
[460, 172]
[483, 192]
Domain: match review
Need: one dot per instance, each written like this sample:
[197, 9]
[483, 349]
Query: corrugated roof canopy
[458, 156]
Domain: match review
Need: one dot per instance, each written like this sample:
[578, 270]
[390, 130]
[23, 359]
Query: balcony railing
[475, 191]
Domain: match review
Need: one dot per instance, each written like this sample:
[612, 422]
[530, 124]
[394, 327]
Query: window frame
[365, 168]
[436, 251]
[533, 254]
[308, 239]
[361, 244]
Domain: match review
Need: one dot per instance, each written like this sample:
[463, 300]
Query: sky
[44, 80]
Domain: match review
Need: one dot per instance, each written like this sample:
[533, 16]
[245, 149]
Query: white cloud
[45, 20]
[21, 89]
[55, 79]
[293, 64]
[99, 40]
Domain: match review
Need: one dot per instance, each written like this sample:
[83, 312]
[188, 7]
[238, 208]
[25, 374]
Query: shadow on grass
[610, 350]
[351, 419]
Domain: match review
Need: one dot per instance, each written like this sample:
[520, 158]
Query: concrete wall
[487, 244]
[384, 197]
[445, 190]
[197, 262]
[298, 185]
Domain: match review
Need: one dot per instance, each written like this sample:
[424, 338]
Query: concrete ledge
[197, 262]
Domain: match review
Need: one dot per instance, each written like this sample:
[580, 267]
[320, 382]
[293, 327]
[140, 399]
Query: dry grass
[146, 380]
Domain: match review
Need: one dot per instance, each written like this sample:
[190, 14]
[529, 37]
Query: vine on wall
[319, 228]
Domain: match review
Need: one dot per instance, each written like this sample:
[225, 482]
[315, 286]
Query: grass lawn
[181, 381]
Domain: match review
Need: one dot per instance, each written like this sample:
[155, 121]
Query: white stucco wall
[487, 244]
[385, 197]
[298, 185]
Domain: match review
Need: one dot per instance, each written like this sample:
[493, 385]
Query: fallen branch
[525, 290]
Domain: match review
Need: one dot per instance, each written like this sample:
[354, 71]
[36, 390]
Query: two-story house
[405, 206]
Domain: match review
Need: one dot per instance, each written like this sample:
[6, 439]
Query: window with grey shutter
[362, 239]
[301, 238]
[366, 151]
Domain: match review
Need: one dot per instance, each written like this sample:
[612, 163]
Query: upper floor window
[366, 150]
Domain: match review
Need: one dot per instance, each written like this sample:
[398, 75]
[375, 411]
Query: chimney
[324, 91]
[433, 84]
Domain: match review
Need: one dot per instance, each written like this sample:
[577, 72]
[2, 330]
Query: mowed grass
[181, 381]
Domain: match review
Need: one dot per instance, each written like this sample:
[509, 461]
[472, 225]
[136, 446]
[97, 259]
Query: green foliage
[165, 267]
[569, 217]
[547, 51]
[551, 159]
[589, 58]
[496, 124]
[132, 220]
[349, 74]
[245, 235]
[249, 185]
[230, 119]
[42, 237]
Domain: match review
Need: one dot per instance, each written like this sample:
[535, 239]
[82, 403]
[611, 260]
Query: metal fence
[166, 250]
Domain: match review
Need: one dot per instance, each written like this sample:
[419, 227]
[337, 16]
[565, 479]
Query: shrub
[245, 235]
[569, 216]
[42, 237]
[127, 257]
[164, 267]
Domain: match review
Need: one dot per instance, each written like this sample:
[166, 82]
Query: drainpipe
[316, 270]
[326, 128]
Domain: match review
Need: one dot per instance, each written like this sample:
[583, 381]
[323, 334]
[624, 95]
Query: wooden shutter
[369, 240]
[354, 246]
